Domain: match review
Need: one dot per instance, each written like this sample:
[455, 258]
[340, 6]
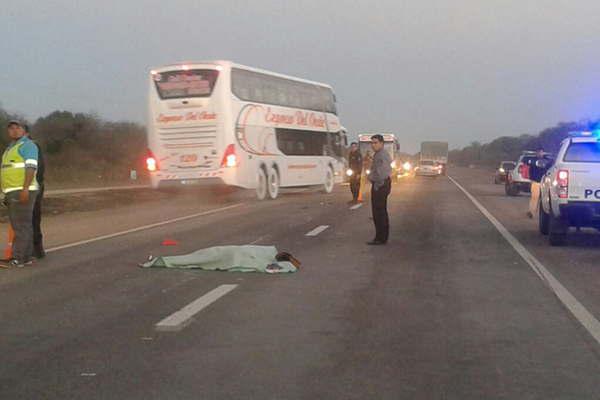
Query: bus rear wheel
[273, 184]
[261, 184]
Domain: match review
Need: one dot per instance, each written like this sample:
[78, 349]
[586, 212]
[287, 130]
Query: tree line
[83, 148]
[508, 148]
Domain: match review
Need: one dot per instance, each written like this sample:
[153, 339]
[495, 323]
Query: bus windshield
[184, 84]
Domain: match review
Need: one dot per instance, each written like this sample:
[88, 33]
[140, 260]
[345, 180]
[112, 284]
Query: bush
[82, 148]
[510, 147]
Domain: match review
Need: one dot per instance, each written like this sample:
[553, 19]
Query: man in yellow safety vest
[20, 187]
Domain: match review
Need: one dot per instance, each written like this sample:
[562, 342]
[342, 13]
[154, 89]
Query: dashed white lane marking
[356, 206]
[585, 318]
[142, 228]
[317, 230]
[180, 319]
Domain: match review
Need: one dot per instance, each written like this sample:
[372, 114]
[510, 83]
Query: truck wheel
[544, 221]
[557, 231]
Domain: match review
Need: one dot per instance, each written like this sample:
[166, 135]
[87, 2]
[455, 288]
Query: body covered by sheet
[226, 258]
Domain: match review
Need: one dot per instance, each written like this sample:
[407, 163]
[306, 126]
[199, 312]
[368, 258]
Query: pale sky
[455, 70]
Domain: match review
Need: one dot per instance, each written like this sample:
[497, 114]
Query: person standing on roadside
[38, 237]
[536, 172]
[20, 187]
[381, 169]
[355, 163]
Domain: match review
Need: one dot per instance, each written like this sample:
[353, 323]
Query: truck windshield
[583, 152]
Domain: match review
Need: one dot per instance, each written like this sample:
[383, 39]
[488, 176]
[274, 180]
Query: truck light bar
[594, 133]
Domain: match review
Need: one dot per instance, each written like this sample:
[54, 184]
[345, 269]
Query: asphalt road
[447, 310]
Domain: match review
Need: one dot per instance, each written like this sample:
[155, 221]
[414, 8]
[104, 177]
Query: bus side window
[301, 148]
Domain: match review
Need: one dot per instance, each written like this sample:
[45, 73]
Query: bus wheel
[329, 181]
[261, 184]
[273, 184]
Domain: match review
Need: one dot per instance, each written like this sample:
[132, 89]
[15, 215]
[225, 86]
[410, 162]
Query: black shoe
[375, 243]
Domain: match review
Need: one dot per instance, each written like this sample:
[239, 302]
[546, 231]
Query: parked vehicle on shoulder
[503, 170]
[570, 189]
[518, 179]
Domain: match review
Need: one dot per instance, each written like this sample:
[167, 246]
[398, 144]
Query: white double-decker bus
[222, 123]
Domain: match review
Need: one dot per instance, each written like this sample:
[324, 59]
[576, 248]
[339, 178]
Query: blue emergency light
[594, 133]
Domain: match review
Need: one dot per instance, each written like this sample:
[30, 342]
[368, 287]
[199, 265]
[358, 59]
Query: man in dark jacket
[38, 245]
[381, 170]
[355, 163]
[537, 169]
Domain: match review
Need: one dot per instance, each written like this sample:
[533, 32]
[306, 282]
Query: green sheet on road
[226, 258]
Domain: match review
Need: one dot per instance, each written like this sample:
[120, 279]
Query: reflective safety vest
[12, 173]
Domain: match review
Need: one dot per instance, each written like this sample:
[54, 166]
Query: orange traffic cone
[9, 243]
[361, 187]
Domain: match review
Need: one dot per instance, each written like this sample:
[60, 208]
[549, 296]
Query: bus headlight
[349, 172]
[393, 164]
[407, 166]
[368, 171]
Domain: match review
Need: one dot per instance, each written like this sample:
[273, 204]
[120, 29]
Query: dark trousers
[355, 185]
[38, 237]
[379, 206]
[20, 219]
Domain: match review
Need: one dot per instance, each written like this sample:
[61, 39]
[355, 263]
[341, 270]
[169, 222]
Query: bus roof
[230, 64]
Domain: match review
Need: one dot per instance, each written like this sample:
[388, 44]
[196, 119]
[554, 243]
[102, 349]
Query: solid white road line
[589, 322]
[179, 319]
[142, 228]
[59, 192]
[356, 206]
[317, 230]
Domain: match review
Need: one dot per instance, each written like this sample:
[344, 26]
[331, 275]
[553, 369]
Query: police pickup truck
[570, 189]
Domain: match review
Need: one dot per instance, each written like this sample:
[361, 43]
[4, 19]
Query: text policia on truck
[226, 124]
